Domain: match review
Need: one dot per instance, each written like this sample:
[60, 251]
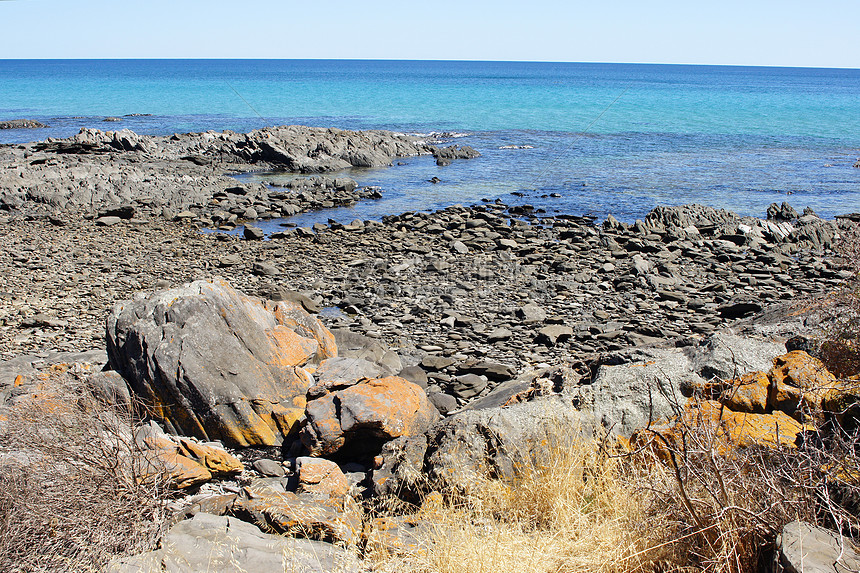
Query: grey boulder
[212, 363]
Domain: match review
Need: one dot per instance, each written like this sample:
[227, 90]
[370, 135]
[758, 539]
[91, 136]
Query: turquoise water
[734, 137]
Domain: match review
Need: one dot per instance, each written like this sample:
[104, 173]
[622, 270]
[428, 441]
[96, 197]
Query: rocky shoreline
[459, 286]
[380, 360]
[190, 176]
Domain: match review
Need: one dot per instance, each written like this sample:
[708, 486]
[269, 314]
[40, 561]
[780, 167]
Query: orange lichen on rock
[290, 349]
[287, 419]
[293, 316]
[378, 408]
[710, 424]
[765, 409]
[322, 477]
[219, 462]
[749, 393]
[800, 382]
[182, 472]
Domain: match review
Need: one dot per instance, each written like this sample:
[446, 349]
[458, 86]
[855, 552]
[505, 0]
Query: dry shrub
[75, 489]
[722, 508]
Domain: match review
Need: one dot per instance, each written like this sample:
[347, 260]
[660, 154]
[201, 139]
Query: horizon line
[467, 60]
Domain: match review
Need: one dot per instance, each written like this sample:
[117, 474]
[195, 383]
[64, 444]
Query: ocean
[570, 138]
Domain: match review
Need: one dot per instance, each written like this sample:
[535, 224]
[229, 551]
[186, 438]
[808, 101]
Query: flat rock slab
[218, 544]
[806, 548]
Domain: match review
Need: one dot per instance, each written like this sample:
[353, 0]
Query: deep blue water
[608, 138]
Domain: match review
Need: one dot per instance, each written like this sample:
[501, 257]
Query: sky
[733, 32]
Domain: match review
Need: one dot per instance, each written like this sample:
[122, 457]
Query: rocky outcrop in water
[185, 173]
[21, 124]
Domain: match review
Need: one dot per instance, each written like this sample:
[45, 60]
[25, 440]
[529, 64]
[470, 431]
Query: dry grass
[578, 512]
[588, 511]
[75, 490]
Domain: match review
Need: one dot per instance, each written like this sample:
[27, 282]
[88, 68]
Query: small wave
[517, 147]
[442, 134]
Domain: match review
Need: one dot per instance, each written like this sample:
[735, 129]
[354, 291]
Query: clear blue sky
[748, 32]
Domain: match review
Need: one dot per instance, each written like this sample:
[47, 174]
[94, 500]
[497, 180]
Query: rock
[400, 472]
[444, 155]
[538, 416]
[212, 363]
[445, 403]
[21, 124]
[723, 356]
[354, 345]
[414, 374]
[321, 476]
[269, 468]
[784, 212]
[807, 548]
[362, 417]
[531, 314]
[42, 321]
[648, 388]
[219, 544]
[492, 370]
[214, 504]
[801, 386]
[253, 233]
[342, 369]
[111, 388]
[122, 211]
[264, 269]
[336, 519]
[460, 247]
[108, 221]
[218, 461]
[468, 385]
[230, 260]
[709, 422]
[479, 443]
[553, 334]
[185, 463]
[749, 393]
[279, 293]
[499, 335]
[739, 309]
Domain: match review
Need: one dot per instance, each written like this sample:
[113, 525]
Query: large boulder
[219, 544]
[362, 416]
[210, 362]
